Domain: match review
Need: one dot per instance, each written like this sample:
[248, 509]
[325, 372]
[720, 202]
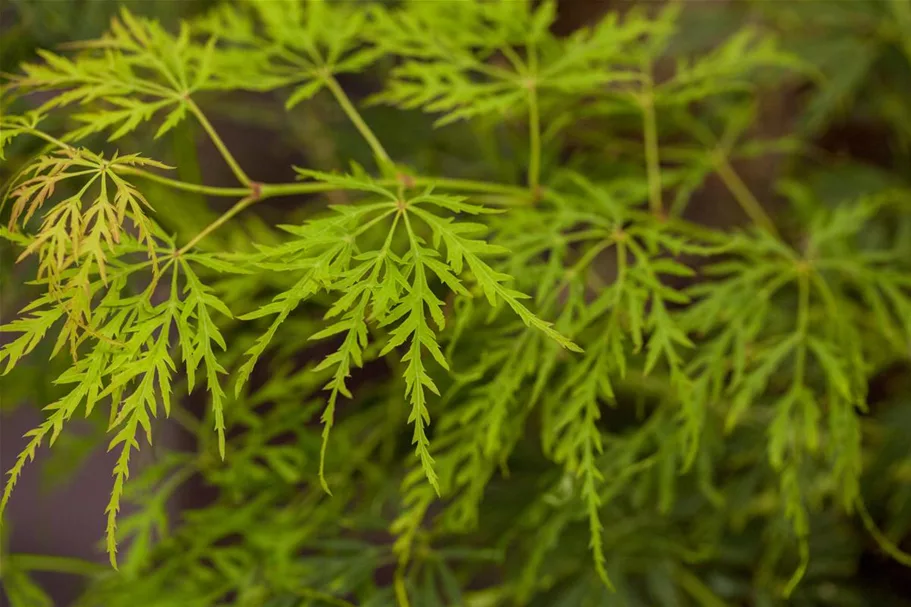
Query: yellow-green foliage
[578, 363]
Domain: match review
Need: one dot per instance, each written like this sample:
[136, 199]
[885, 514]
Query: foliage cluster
[502, 363]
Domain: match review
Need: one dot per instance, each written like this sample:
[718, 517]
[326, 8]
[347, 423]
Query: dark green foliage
[546, 383]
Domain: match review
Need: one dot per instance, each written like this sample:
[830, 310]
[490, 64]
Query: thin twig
[743, 195]
[356, 118]
[222, 148]
[242, 204]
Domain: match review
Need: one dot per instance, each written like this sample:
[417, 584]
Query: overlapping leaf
[299, 43]
[137, 70]
[491, 66]
[82, 229]
[127, 363]
[392, 285]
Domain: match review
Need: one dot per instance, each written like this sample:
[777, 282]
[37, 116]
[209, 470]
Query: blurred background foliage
[846, 135]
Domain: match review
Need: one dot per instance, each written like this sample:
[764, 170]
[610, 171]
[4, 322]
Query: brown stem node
[256, 190]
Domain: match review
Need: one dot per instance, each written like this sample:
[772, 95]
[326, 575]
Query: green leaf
[199, 346]
[303, 93]
[173, 119]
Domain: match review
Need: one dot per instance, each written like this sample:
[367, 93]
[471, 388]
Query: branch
[213, 135]
[743, 195]
[186, 186]
[242, 204]
[356, 119]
